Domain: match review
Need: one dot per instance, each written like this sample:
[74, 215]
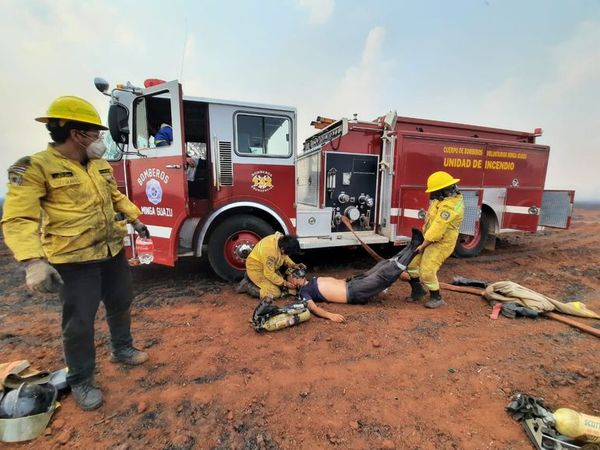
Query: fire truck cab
[231, 174]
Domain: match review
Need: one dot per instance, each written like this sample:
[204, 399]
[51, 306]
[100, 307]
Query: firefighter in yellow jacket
[442, 225]
[265, 260]
[65, 219]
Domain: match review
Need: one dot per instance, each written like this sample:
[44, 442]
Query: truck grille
[225, 164]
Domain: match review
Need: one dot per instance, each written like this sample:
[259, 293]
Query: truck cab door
[157, 173]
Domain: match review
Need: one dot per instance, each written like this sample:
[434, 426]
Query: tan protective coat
[442, 225]
[263, 264]
[58, 209]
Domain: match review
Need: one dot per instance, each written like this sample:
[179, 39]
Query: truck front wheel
[231, 243]
[473, 245]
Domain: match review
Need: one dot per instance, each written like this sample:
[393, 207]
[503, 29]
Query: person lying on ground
[354, 290]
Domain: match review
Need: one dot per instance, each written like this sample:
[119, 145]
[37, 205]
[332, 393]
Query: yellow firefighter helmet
[440, 180]
[71, 108]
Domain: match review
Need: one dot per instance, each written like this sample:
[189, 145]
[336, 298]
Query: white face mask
[96, 149]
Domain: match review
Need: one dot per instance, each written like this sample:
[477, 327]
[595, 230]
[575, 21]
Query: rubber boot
[406, 255]
[253, 290]
[246, 286]
[417, 292]
[87, 395]
[129, 355]
[435, 300]
[242, 286]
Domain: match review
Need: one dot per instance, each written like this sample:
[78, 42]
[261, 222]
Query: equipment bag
[268, 317]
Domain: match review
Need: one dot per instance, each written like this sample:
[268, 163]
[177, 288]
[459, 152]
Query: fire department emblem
[262, 181]
[154, 191]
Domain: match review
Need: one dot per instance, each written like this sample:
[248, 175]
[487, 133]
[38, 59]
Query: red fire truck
[249, 179]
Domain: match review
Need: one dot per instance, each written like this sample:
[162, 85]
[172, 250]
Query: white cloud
[319, 11]
[362, 89]
[565, 104]
[53, 48]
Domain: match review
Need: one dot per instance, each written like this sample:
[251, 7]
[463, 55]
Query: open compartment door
[470, 223]
[157, 169]
[522, 209]
[557, 208]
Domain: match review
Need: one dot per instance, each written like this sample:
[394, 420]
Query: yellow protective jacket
[443, 220]
[267, 254]
[58, 209]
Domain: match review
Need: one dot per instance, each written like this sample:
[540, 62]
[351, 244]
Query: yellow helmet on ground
[75, 109]
[440, 180]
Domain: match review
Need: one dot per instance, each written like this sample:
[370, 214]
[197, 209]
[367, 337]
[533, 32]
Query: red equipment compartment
[513, 166]
[420, 156]
[522, 209]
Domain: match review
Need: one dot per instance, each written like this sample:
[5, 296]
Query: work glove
[141, 229]
[42, 278]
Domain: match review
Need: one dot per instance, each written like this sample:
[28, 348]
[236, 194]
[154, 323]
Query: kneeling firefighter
[65, 220]
[442, 225]
[264, 262]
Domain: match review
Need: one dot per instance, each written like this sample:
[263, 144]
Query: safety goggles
[99, 136]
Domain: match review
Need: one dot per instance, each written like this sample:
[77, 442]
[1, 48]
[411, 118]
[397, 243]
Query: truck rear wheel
[231, 243]
[467, 246]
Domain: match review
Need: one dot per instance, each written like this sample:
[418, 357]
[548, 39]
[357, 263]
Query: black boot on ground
[87, 395]
[129, 355]
[246, 286]
[417, 291]
[242, 286]
[435, 300]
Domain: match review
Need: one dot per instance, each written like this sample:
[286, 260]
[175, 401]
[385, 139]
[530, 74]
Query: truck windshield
[113, 153]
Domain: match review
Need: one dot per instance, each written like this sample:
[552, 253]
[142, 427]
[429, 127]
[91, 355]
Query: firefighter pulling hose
[442, 225]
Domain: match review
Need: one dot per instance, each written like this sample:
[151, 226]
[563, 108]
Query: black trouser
[86, 284]
[361, 288]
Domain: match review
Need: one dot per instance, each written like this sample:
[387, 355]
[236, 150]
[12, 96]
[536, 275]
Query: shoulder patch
[15, 178]
[15, 172]
[21, 165]
[270, 262]
[25, 160]
[445, 215]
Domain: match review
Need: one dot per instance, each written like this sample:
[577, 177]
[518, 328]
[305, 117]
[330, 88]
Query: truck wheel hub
[243, 249]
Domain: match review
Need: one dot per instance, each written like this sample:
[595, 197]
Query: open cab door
[156, 166]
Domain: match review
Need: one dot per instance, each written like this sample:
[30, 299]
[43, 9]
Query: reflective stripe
[432, 286]
[517, 210]
[394, 212]
[411, 213]
[460, 204]
[160, 232]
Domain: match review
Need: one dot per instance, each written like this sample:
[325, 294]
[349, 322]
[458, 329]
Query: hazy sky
[511, 64]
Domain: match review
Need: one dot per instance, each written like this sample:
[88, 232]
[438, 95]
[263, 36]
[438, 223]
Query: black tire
[225, 263]
[468, 246]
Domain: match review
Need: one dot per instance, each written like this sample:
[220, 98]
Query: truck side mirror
[101, 84]
[118, 123]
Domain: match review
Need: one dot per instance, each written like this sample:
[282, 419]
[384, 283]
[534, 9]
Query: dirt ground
[396, 375]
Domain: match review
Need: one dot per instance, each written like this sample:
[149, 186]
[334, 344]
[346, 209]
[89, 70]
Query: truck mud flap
[557, 208]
